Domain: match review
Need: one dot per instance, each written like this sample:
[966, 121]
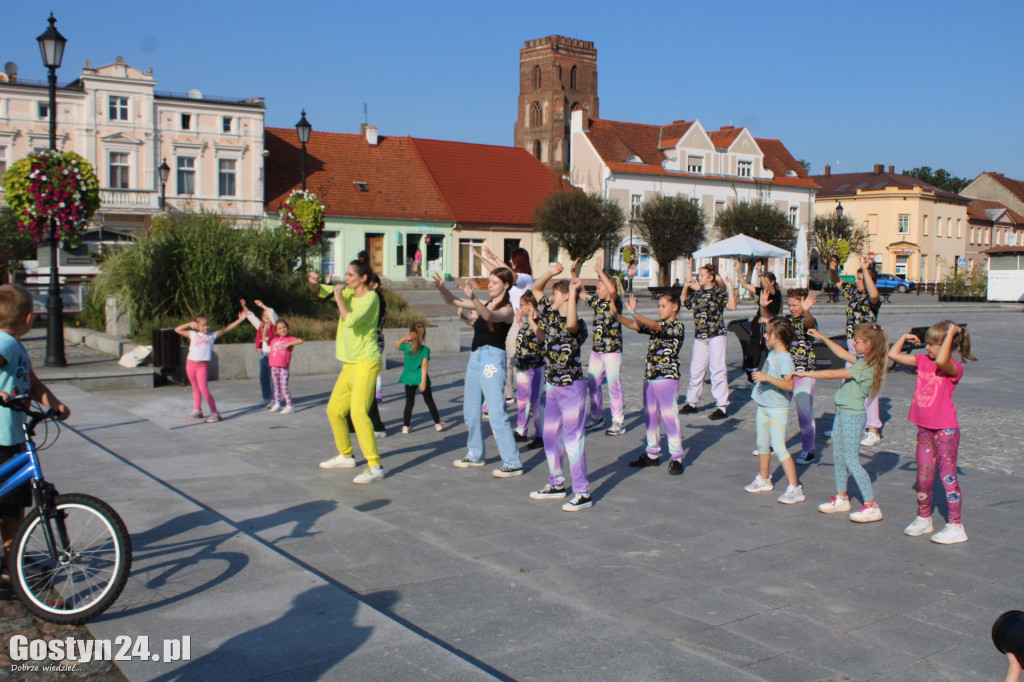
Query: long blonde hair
[877, 355]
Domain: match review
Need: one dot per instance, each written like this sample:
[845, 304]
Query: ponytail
[961, 342]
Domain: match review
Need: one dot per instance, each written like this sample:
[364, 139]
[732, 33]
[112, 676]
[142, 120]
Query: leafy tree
[830, 226]
[806, 165]
[672, 227]
[15, 243]
[941, 178]
[577, 222]
[757, 219]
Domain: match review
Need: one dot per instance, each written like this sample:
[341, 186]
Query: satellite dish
[11, 69]
[194, 93]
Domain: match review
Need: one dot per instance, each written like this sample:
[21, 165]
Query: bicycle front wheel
[93, 558]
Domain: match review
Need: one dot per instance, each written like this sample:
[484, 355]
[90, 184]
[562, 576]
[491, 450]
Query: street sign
[961, 261]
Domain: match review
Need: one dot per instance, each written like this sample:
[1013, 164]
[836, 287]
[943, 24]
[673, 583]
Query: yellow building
[914, 229]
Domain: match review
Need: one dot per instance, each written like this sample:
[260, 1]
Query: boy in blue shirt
[17, 377]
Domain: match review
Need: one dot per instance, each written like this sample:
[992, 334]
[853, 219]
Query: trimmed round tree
[578, 222]
[673, 227]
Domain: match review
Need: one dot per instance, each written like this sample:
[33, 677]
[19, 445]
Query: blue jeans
[485, 376]
[266, 387]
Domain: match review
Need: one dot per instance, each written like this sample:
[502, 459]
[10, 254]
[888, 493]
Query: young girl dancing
[200, 352]
[264, 332]
[661, 379]
[414, 373]
[938, 431]
[281, 346]
[709, 302]
[605, 353]
[529, 362]
[802, 350]
[773, 382]
[863, 380]
[563, 333]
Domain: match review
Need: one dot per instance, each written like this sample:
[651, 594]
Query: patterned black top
[708, 314]
[561, 348]
[802, 348]
[663, 350]
[381, 319]
[529, 350]
[607, 330]
[860, 309]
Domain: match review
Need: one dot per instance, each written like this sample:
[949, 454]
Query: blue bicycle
[72, 554]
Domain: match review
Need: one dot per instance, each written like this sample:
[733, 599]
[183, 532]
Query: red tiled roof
[398, 186]
[976, 210]
[725, 136]
[616, 141]
[1005, 249]
[847, 184]
[1015, 187]
[487, 184]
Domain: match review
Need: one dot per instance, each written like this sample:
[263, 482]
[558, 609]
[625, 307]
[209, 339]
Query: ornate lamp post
[51, 45]
[165, 172]
[839, 210]
[303, 129]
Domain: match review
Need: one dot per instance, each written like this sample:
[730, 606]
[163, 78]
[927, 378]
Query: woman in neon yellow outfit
[357, 349]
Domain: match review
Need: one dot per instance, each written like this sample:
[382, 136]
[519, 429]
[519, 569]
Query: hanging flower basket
[51, 184]
[838, 250]
[302, 215]
[630, 254]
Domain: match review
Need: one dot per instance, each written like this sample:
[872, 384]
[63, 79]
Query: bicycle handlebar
[22, 403]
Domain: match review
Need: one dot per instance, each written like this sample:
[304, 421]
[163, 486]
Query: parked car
[894, 282]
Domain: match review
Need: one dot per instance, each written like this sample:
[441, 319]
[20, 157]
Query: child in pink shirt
[281, 346]
[938, 431]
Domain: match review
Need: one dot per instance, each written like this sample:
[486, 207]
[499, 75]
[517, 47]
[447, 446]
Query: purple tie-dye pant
[660, 402]
[600, 366]
[564, 416]
[803, 398]
[528, 387]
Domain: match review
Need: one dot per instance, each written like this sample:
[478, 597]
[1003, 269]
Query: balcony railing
[113, 199]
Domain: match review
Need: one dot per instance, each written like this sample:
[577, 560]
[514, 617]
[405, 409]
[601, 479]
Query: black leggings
[374, 413]
[410, 399]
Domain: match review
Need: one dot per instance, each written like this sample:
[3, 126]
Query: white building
[629, 162]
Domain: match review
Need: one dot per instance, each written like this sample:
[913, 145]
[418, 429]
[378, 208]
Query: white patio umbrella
[741, 246]
[801, 253]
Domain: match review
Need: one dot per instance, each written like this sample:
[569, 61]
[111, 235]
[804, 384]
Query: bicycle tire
[80, 584]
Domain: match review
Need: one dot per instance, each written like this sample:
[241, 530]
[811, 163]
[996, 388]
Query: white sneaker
[793, 494]
[871, 438]
[439, 426]
[275, 407]
[369, 475]
[381, 434]
[827, 434]
[466, 462]
[919, 526]
[835, 505]
[747, 385]
[951, 534]
[267, 403]
[339, 462]
[288, 409]
[867, 514]
[594, 424]
[618, 429]
[759, 485]
[405, 430]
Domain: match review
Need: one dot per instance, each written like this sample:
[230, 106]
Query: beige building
[914, 229]
[114, 117]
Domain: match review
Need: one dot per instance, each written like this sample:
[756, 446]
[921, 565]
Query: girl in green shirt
[414, 373]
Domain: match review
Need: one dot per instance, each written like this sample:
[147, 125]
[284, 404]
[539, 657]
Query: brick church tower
[556, 76]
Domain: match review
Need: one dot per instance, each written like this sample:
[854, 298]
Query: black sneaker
[548, 492]
[805, 457]
[579, 501]
[537, 442]
[687, 408]
[675, 467]
[717, 415]
[644, 461]
[519, 438]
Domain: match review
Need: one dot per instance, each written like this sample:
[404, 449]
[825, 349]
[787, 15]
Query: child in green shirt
[414, 373]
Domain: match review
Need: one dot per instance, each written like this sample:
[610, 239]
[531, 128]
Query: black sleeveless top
[483, 336]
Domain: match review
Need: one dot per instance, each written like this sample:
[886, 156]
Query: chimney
[878, 169]
[828, 170]
[370, 132]
[892, 169]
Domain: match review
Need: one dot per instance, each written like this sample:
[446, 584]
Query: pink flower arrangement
[302, 215]
[52, 186]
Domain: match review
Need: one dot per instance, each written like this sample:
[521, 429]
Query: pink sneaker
[214, 417]
[195, 414]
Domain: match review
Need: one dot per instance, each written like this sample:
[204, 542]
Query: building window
[904, 223]
[552, 252]
[793, 212]
[572, 78]
[186, 175]
[923, 274]
[118, 170]
[3, 160]
[949, 228]
[536, 149]
[536, 115]
[44, 110]
[118, 108]
[226, 178]
[226, 124]
[959, 229]
[745, 169]
[558, 150]
[924, 226]
[790, 268]
[538, 79]
[470, 265]
[901, 265]
[635, 200]
[186, 121]
[695, 164]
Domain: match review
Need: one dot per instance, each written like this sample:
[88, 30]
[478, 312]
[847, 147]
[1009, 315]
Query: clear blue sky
[899, 82]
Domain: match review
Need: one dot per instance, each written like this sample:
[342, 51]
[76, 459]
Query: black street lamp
[303, 129]
[165, 172]
[839, 210]
[51, 45]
